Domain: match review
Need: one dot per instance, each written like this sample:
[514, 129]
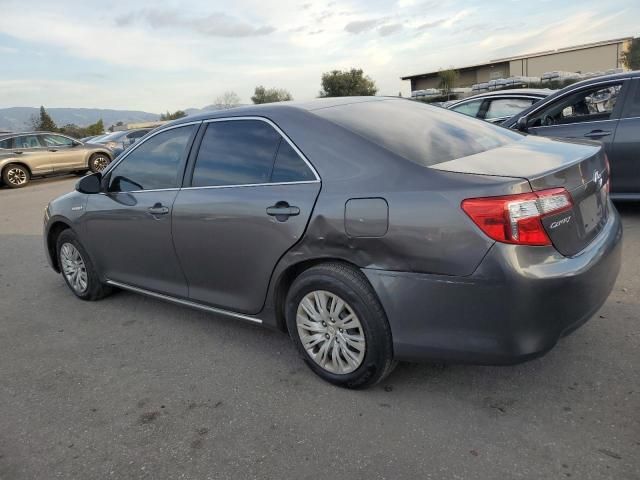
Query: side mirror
[90, 184]
[521, 125]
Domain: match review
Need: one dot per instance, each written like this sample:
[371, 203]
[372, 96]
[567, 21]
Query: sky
[167, 55]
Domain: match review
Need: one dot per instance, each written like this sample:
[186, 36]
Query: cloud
[390, 29]
[361, 26]
[217, 24]
[429, 25]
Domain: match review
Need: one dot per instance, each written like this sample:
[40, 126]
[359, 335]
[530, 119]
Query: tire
[98, 162]
[15, 175]
[332, 283]
[67, 244]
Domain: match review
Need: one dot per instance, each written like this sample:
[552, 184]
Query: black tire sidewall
[378, 352]
[94, 287]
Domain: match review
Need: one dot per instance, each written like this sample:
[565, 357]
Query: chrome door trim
[302, 182]
[186, 303]
[277, 129]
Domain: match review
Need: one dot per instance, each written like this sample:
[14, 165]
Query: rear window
[420, 133]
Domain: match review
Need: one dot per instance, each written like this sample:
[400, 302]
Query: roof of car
[14, 134]
[531, 92]
[264, 109]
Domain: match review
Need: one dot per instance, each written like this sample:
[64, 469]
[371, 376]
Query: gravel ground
[131, 387]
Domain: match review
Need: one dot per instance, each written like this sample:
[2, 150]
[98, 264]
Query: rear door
[33, 153]
[249, 196]
[64, 153]
[625, 152]
[589, 113]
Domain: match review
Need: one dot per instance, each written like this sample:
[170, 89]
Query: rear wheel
[339, 326]
[77, 270]
[99, 162]
[15, 175]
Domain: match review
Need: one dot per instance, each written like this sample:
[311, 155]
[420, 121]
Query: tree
[346, 83]
[270, 95]
[631, 56]
[448, 79]
[172, 116]
[95, 129]
[44, 122]
[228, 99]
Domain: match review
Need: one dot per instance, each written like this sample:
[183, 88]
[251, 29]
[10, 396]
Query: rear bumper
[514, 307]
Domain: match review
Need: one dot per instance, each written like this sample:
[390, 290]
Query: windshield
[420, 133]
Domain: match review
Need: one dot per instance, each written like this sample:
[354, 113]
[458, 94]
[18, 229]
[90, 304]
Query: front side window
[26, 141]
[469, 108]
[506, 107]
[56, 141]
[154, 164]
[588, 105]
[236, 152]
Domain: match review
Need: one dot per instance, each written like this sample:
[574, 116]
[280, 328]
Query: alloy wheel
[16, 176]
[100, 163]
[73, 267]
[330, 332]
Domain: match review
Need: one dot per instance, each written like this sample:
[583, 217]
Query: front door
[591, 113]
[129, 225]
[64, 152]
[250, 199]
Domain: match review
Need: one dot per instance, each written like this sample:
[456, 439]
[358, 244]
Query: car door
[589, 113]
[249, 197]
[63, 152]
[33, 153]
[129, 225]
[625, 156]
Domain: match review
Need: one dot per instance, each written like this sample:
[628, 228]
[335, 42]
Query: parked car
[499, 105]
[122, 139]
[371, 229]
[606, 109]
[32, 154]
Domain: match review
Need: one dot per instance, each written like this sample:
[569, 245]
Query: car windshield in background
[112, 137]
[420, 133]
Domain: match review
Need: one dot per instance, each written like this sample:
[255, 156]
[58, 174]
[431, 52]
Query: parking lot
[131, 387]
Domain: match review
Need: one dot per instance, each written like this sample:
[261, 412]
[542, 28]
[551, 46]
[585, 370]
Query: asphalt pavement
[131, 387]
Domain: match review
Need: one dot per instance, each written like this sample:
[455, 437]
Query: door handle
[597, 134]
[53, 150]
[282, 211]
[158, 209]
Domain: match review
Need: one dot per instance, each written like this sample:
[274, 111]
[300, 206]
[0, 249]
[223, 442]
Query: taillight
[517, 218]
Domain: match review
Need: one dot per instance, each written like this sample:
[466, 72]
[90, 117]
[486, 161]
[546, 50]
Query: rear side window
[507, 107]
[236, 152]
[289, 167]
[155, 164]
[26, 141]
[420, 133]
[468, 108]
[6, 143]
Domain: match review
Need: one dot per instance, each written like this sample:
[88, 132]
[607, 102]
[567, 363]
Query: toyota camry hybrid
[372, 230]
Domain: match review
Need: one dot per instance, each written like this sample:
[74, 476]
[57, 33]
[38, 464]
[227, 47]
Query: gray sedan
[370, 229]
[500, 105]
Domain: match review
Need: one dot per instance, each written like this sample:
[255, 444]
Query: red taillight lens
[517, 218]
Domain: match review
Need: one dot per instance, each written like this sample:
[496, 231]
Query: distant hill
[18, 118]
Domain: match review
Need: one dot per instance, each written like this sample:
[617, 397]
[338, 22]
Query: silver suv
[27, 155]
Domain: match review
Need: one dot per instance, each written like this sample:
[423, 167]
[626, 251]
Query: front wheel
[339, 326]
[98, 162]
[77, 269]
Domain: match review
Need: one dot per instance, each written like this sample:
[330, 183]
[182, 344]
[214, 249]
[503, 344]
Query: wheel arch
[54, 231]
[288, 275]
[16, 162]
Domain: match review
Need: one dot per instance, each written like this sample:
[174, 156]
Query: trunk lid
[579, 167]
